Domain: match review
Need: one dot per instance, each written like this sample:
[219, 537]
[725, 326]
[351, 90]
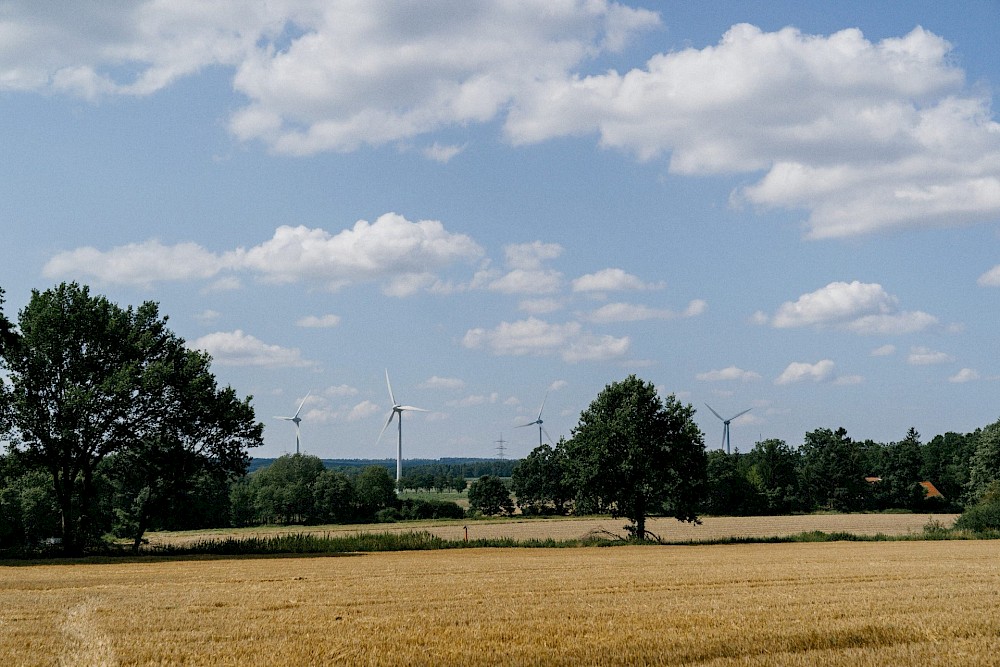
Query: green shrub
[981, 518]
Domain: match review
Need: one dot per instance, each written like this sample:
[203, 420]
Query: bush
[981, 518]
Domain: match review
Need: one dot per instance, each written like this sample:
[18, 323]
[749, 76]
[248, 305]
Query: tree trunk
[640, 519]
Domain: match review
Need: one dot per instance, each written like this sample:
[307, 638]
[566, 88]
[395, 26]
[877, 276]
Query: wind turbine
[296, 420]
[725, 424]
[397, 409]
[539, 422]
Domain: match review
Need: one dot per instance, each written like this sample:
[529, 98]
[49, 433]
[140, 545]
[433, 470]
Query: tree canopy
[638, 454]
[89, 380]
[489, 496]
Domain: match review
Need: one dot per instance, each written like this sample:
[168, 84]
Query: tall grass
[312, 543]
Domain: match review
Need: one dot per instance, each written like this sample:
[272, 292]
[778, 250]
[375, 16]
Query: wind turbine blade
[287, 419]
[411, 408]
[302, 403]
[387, 422]
[714, 412]
[740, 414]
[523, 425]
[547, 436]
[389, 385]
[545, 398]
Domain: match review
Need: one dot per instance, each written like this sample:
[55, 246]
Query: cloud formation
[630, 312]
[611, 280]
[728, 373]
[236, 348]
[821, 371]
[534, 336]
[863, 308]
[863, 135]
[406, 256]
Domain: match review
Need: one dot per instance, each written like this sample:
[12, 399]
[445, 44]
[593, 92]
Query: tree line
[114, 427]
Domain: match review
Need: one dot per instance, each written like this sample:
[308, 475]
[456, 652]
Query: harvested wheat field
[846, 603]
[569, 528]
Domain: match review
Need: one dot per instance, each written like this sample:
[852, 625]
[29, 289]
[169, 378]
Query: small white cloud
[236, 348]
[530, 256]
[611, 280]
[991, 278]
[884, 351]
[965, 375]
[695, 308]
[339, 391]
[630, 312]
[207, 316]
[525, 281]
[538, 337]
[558, 384]
[362, 410]
[729, 373]
[821, 371]
[435, 382]
[924, 356]
[540, 306]
[318, 321]
[441, 153]
[474, 400]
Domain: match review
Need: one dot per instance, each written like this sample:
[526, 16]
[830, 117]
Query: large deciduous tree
[89, 380]
[639, 454]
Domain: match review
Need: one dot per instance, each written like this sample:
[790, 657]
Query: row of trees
[299, 489]
[828, 471]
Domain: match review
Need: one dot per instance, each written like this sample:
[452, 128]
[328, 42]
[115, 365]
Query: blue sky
[790, 207]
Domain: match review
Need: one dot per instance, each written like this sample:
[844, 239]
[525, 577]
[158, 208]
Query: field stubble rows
[846, 603]
[843, 603]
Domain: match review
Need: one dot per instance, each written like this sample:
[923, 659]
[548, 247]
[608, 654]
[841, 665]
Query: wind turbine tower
[397, 409]
[725, 425]
[295, 419]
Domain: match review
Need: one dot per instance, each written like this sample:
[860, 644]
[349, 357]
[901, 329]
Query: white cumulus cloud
[435, 382]
[864, 136]
[611, 280]
[864, 308]
[236, 348]
[728, 373]
[798, 371]
[318, 321]
[534, 336]
[407, 256]
[965, 375]
[924, 356]
[139, 264]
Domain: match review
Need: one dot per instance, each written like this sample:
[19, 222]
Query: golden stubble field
[895, 603]
[569, 528]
